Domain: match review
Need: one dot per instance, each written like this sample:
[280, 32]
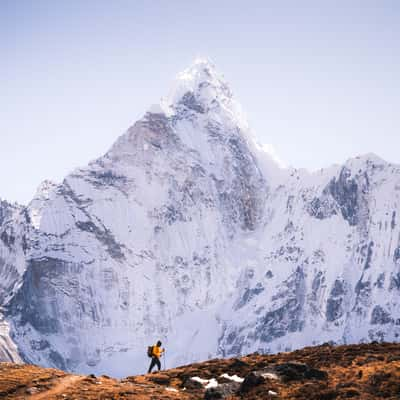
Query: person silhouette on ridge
[155, 356]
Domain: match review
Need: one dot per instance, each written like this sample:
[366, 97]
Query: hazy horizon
[319, 82]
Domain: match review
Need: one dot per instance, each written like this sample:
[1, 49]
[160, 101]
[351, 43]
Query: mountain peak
[202, 69]
[199, 87]
[45, 188]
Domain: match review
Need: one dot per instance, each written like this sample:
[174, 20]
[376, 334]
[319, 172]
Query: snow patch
[156, 109]
[212, 383]
[170, 389]
[233, 378]
[270, 375]
[207, 383]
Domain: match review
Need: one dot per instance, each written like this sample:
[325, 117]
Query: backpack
[150, 351]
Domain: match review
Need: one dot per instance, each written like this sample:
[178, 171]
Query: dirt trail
[59, 388]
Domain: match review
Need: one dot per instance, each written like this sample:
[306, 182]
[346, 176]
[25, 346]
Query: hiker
[156, 352]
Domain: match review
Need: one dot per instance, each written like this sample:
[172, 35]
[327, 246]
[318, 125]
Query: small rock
[212, 394]
[221, 391]
[32, 390]
[343, 385]
[352, 393]
[237, 364]
[375, 380]
[314, 373]
[251, 380]
[291, 371]
[160, 379]
[298, 371]
[192, 384]
[371, 359]
[393, 357]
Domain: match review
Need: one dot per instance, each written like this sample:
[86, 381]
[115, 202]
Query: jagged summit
[367, 158]
[201, 76]
[201, 67]
[369, 162]
[201, 89]
[200, 109]
[45, 188]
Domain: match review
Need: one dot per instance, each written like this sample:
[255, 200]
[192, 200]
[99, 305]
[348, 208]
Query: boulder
[298, 371]
[251, 380]
[221, 391]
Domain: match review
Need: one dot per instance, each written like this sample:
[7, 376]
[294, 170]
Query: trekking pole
[164, 359]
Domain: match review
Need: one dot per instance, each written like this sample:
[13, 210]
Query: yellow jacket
[157, 351]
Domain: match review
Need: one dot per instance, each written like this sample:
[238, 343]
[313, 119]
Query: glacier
[188, 231]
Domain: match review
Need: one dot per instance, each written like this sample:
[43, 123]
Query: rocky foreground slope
[367, 371]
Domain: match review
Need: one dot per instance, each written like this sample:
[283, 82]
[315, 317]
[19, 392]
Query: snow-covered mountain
[186, 230]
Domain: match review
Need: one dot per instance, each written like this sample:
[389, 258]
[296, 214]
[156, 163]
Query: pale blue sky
[319, 80]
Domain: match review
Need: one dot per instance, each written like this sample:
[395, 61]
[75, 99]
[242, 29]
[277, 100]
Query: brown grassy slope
[368, 371]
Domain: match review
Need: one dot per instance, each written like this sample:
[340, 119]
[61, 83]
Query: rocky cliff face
[186, 231]
[332, 270]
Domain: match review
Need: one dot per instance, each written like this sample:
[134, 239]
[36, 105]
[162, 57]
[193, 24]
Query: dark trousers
[154, 361]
